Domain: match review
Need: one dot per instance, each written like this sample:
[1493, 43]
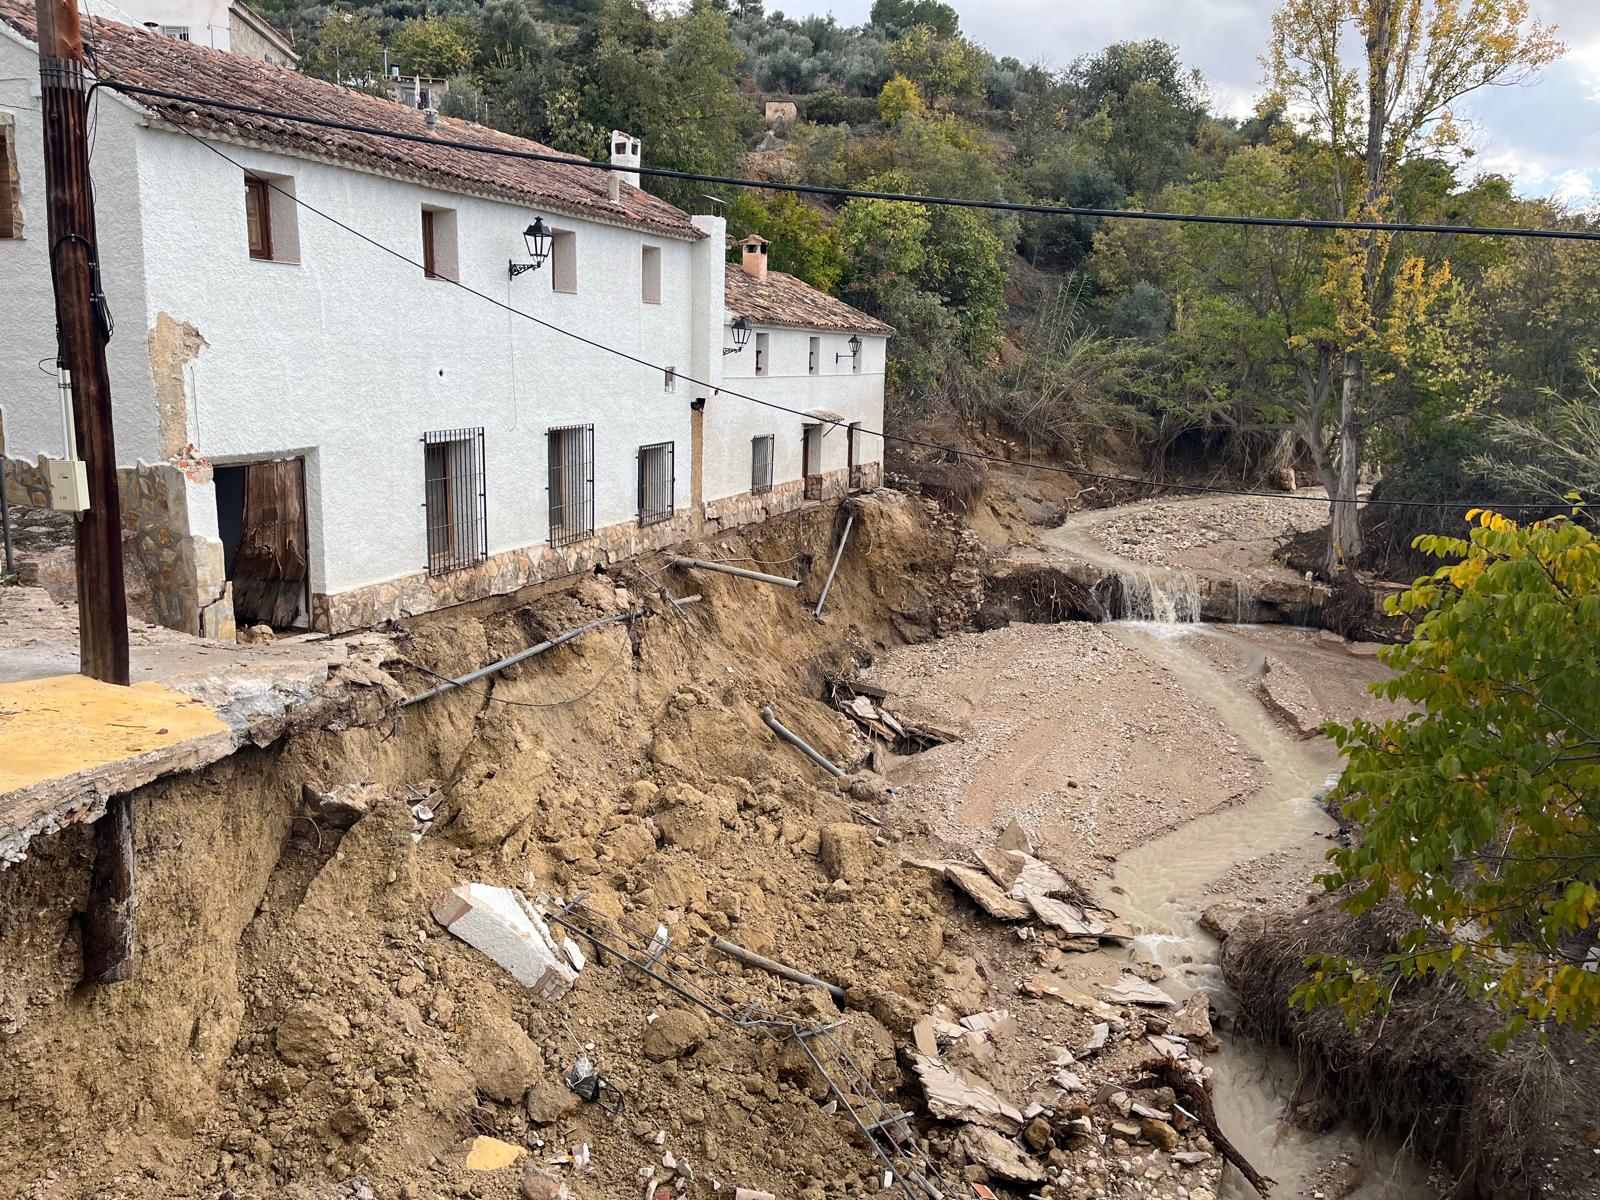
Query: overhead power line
[719, 390]
[841, 193]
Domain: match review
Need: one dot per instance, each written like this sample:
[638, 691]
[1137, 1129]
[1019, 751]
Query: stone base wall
[501, 574]
[172, 578]
[497, 575]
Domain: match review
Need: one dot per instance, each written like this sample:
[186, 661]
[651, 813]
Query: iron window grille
[761, 463]
[455, 499]
[657, 482]
[570, 451]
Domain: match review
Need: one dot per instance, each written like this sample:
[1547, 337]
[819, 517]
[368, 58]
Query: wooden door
[270, 568]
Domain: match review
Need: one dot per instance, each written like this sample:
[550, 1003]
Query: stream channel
[1164, 885]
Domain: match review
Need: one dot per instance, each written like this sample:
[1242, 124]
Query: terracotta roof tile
[136, 56]
[787, 301]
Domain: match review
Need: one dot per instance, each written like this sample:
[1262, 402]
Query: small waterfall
[1165, 597]
[1244, 603]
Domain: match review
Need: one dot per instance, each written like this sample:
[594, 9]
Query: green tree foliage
[1553, 453]
[898, 17]
[346, 49]
[946, 69]
[803, 244]
[437, 46]
[1136, 100]
[898, 98]
[1480, 813]
[673, 81]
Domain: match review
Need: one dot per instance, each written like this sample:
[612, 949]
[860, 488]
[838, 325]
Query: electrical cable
[1060, 210]
[976, 456]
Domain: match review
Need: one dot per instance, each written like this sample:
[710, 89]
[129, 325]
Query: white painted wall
[731, 423]
[349, 355]
[27, 306]
[352, 353]
[207, 20]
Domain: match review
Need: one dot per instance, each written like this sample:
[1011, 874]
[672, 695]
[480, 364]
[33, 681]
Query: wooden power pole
[83, 327]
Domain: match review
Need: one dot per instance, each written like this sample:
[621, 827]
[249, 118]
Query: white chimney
[754, 251]
[625, 153]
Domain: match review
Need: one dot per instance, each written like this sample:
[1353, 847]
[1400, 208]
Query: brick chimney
[754, 249]
[625, 153]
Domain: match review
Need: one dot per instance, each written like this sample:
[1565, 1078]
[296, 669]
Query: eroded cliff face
[299, 1020]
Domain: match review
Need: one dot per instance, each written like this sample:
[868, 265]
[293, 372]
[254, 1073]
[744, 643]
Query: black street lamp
[741, 337]
[855, 349]
[537, 237]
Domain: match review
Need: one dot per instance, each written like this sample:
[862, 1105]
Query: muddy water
[1163, 886]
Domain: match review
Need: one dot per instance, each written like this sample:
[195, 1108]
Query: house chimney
[625, 153]
[754, 249]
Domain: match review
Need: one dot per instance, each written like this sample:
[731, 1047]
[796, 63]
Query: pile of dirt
[1516, 1124]
[300, 1026]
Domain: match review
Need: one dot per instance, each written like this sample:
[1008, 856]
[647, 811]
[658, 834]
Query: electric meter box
[69, 485]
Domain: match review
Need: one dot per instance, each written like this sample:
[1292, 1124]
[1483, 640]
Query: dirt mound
[1511, 1125]
[300, 1026]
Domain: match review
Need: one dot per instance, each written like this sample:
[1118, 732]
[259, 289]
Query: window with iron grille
[570, 451]
[656, 482]
[454, 499]
[761, 463]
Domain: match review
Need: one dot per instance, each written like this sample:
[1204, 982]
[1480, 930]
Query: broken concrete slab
[996, 1023]
[1130, 989]
[1068, 918]
[925, 1039]
[953, 1096]
[1097, 1038]
[1015, 837]
[503, 924]
[1167, 1047]
[986, 894]
[1000, 1156]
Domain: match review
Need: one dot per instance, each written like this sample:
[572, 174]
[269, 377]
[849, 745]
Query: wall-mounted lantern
[537, 238]
[855, 349]
[741, 337]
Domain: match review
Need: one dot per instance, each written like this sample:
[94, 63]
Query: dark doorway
[261, 517]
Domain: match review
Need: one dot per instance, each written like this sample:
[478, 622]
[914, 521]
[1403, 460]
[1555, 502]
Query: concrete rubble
[504, 924]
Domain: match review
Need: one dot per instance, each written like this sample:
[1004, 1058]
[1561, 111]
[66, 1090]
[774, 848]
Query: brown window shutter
[258, 215]
[427, 245]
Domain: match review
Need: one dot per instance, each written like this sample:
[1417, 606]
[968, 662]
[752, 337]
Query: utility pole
[83, 328]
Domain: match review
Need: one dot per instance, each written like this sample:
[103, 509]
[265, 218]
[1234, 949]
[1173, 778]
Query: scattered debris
[1000, 1156]
[585, 1082]
[985, 894]
[952, 1096]
[1130, 989]
[1097, 1038]
[491, 1154]
[1166, 1073]
[503, 924]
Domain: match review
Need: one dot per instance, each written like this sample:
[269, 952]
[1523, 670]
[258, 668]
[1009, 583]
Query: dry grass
[1511, 1125]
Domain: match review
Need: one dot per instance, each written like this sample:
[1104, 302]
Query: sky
[1545, 135]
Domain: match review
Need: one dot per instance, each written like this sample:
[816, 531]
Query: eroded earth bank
[302, 1026]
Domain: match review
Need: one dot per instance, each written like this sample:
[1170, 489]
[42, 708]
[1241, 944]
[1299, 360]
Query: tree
[346, 49]
[433, 45]
[898, 97]
[802, 243]
[883, 242]
[896, 17]
[1142, 107]
[1420, 57]
[945, 69]
[1480, 812]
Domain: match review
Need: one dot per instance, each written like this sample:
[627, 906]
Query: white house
[317, 427]
[230, 25]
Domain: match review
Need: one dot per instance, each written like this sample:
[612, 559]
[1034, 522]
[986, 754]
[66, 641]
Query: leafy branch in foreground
[1479, 812]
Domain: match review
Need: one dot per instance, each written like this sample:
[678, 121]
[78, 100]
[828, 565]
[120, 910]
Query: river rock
[1159, 1133]
[1222, 918]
